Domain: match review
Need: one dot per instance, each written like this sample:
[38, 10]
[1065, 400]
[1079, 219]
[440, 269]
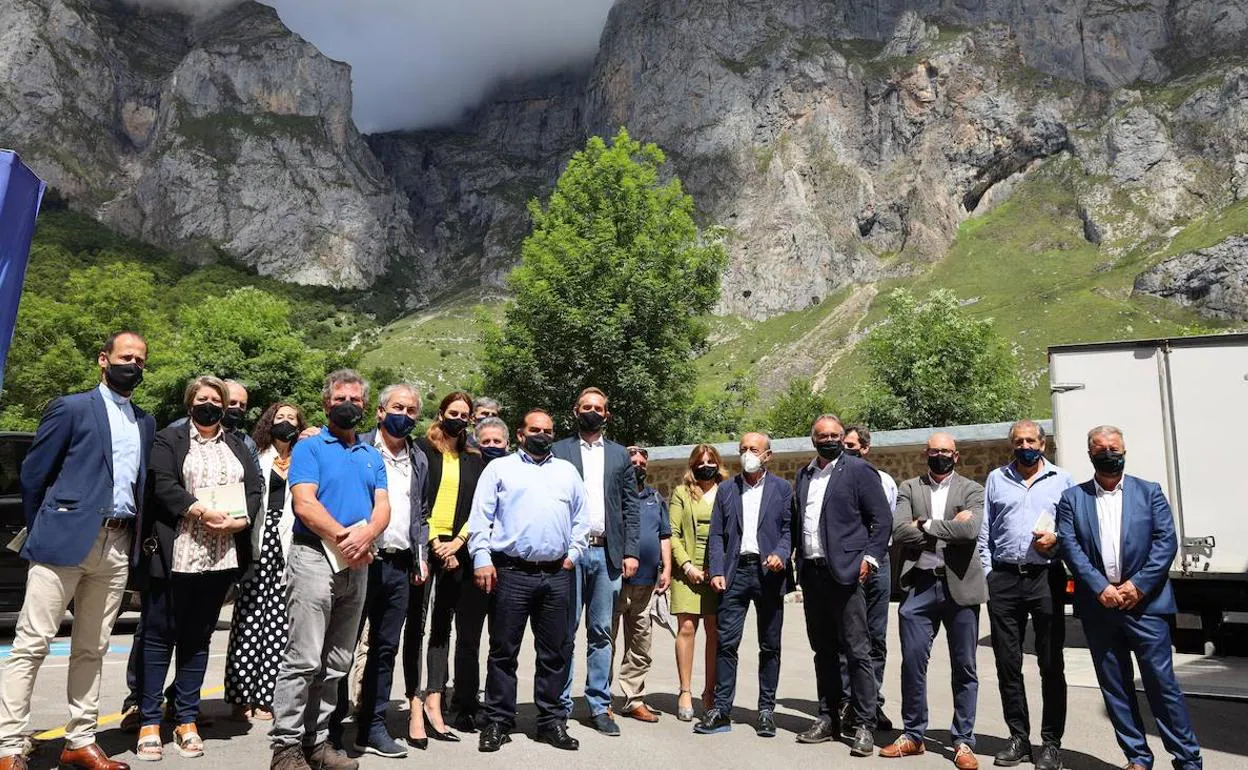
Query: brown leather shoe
[642, 714]
[15, 762]
[964, 758]
[904, 746]
[90, 757]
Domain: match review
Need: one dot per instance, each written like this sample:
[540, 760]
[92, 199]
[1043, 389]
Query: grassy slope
[1024, 264]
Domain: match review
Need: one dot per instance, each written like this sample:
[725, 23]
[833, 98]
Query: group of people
[343, 547]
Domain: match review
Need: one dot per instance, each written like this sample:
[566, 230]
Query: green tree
[609, 291]
[793, 411]
[932, 364]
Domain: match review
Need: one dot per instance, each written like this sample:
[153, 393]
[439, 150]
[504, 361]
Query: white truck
[1182, 405]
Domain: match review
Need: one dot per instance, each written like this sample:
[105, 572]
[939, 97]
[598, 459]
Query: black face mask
[1109, 463]
[940, 464]
[829, 450]
[706, 472]
[538, 444]
[852, 452]
[453, 426]
[233, 417]
[346, 415]
[590, 422]
[493, 453]
[640, 473]
[123, 378]
[207, 414]
[284, 431]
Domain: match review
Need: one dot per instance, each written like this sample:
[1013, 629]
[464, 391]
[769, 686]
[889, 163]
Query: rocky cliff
[230, 133]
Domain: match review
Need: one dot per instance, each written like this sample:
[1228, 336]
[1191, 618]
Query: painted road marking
[62, 650]
[52, 735]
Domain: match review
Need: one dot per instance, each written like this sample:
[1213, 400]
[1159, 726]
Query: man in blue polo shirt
[338, 489]
[1018, 547]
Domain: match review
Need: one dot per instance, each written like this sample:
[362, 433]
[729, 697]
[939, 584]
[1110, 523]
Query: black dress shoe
[1049, 758]
[558, 737]
[766, 725]
[447, 736]
[465, 723]
[713, 721]
[604, 724]
[1017, 750]
[863, 744]
[493, 737]
[820, 732]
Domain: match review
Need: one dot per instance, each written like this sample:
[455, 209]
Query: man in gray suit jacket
[936, 525]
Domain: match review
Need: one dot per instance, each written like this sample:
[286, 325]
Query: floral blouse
[209, 463]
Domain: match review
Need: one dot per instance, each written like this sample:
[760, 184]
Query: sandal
[150, 747]
[190, 745]
[261, 714]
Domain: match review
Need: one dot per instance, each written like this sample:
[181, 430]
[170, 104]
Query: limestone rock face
[1214, 280]
[231, 133]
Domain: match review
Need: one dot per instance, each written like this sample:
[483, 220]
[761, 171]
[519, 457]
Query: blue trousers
[385, 607]
[596, 587]
[877, 590]
[1112, 638]
[749, 584]
[925, 609]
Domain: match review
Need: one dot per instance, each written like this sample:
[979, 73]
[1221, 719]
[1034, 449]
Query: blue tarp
[20, 194]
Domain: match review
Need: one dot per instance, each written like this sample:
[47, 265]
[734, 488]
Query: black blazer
[855, 521]
[470, 467]
[728, 524]
[169, 499]
[619, 491]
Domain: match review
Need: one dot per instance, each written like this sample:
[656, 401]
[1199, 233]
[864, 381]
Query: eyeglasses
[636, 450]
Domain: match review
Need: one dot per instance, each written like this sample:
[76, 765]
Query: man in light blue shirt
[529, 525]
[1017, 545]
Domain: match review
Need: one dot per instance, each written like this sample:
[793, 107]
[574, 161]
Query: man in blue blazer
[82, 493]
[841, 522]
[749, 547]
[614, 532]
[1116, 534]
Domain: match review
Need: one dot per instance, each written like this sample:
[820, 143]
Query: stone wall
[898, 452]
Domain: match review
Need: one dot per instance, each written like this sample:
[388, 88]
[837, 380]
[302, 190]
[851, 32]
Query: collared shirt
[751, 505]
[890, 491]
[940, 498]
[812, 545]
[123, 428]
[1109, 516]
[593, 463]
[346, 477]
[656, 527]
[536, 511]
[1013, 510]
[398, 532]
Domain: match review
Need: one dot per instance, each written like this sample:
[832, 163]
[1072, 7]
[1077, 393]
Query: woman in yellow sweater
[692, 596]
[454, 468]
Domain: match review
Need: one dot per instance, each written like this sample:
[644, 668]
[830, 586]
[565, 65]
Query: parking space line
[52, 735]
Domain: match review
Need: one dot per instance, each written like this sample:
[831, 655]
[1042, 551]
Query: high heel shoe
[448, 736]
[684, 713]
[418, 743]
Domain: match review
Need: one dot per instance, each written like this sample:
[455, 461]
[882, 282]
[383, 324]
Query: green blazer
[682, 511]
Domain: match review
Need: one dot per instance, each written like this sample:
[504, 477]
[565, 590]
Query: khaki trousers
[632, 610]
[96, 587]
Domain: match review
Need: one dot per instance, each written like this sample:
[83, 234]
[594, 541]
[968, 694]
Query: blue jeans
[597, 586]
[925, 609]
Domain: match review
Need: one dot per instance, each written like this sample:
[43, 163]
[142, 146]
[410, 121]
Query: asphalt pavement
[1089, 743]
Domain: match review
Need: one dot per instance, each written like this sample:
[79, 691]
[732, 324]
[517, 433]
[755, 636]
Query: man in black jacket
[614, 529]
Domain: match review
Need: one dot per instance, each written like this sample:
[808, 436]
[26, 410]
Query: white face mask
[751, 463]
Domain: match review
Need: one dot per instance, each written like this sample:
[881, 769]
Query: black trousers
[836, 624]
[414, 638]
[544, 600]
[1012, 599]
[765, 589]
[456, 602]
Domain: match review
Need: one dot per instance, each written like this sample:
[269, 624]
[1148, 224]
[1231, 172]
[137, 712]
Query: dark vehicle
[13, 448]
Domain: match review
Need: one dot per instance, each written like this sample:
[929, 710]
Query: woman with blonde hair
[692, 596]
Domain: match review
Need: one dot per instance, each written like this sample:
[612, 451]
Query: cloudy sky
[419, 63]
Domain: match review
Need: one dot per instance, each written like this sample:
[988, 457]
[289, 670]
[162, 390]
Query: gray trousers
[324, 611]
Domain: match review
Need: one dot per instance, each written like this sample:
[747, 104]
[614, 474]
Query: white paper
[338, 562]
[19, 540]
[230, 498]
[1046, 523]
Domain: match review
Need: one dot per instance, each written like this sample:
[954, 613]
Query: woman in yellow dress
[692, 596]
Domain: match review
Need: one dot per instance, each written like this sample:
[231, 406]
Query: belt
[597, 541]
[115, 522]
[818, 563]
[503, 561]
[939, 572]
[394, 554]
[748, 560]
[1026, 570]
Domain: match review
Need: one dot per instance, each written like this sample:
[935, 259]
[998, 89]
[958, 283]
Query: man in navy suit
[842, 522]
[614, 531]
[1116, 534]
[749, 548]
[82, 493]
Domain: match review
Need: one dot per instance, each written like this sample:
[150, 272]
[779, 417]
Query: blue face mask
[1027, 457]
[398, 425]
[493, 452]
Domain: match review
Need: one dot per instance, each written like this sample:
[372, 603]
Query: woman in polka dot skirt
[258, 634]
